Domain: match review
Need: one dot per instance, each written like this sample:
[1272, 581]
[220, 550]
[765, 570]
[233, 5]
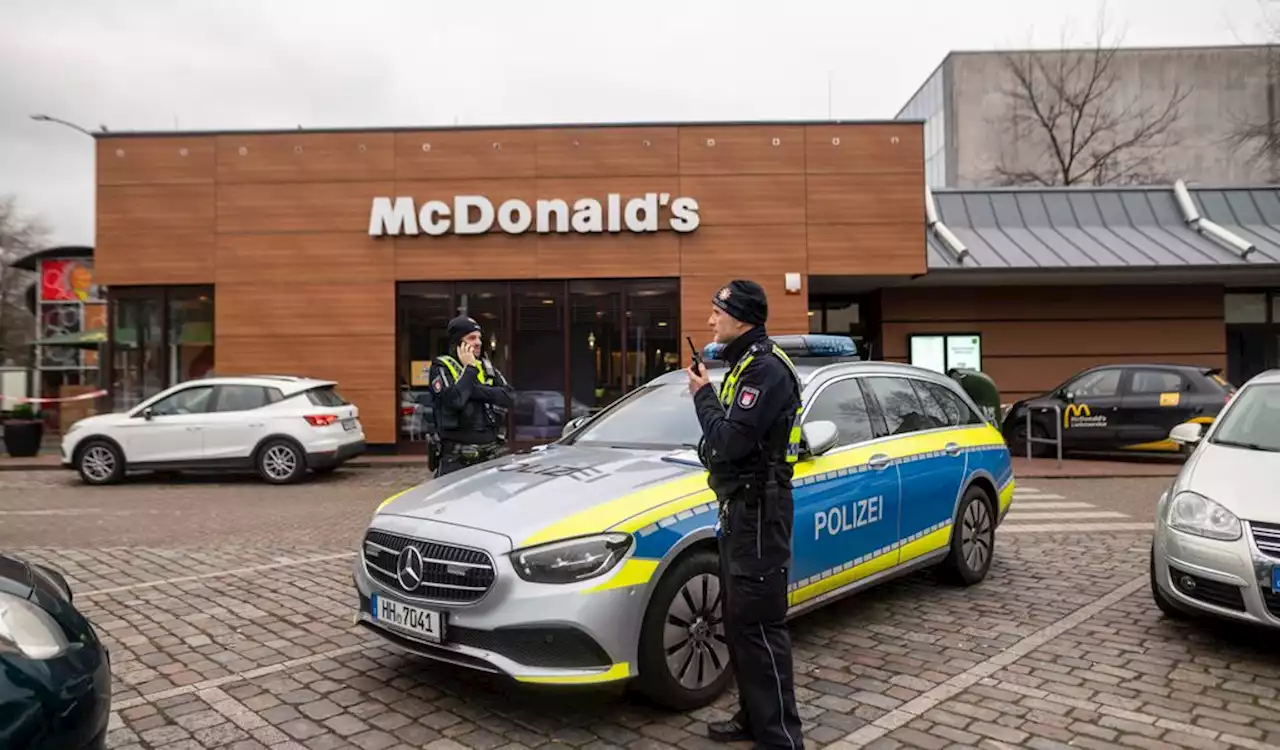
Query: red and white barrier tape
[80, 397]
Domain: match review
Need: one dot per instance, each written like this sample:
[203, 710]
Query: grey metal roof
[1102, 228]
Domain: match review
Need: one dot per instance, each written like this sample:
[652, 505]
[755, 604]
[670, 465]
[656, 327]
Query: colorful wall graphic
[71, 306]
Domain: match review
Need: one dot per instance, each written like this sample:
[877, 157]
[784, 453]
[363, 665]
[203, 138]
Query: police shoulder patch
[748, 397]
[437, 385]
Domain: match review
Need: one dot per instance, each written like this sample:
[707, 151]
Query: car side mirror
[148, 414]
[574, 425]
[1069, 397]
[1187, 433]
[819, 437]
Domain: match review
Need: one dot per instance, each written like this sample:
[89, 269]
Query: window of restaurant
[854, 316]
[159, 337]
[569, 348]
[1253, 333]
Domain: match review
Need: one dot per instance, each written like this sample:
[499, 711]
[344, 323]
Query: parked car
[1111, 408]
[278, 425]
[1216, 548]
[55, 674]
[592, 559]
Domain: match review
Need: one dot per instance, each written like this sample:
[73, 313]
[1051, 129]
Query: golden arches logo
[1075, 410]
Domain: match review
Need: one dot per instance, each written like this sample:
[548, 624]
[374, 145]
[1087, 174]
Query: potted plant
[23, 431]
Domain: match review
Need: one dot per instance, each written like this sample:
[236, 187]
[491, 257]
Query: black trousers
[455, 456]
[754, 604]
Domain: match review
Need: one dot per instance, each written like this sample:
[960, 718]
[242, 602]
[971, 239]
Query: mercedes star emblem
[409, 568]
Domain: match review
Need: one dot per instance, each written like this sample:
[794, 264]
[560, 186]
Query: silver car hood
[1242, 480]
[518, 495]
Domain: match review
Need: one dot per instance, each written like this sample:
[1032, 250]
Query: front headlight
[571, 560]
[1197, 514]
[27, 629]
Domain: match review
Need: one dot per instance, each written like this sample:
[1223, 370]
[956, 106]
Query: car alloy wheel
[100, 463]
[693, 637]
[683, 653]
[280, 462]
[973, 539]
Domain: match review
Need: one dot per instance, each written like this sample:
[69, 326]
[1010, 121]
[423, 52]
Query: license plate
[349, 424]
[1275, 580]
[424, 622]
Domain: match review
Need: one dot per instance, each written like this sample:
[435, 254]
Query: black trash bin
[982, 389]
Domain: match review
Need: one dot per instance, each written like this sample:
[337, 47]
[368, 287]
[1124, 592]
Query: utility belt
[753, 488]
[471, 453]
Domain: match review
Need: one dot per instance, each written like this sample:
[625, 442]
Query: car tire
[973, 539]
[696, 575]
[280, 461]
[1166, 605]
[99, 462]
[1017, 441]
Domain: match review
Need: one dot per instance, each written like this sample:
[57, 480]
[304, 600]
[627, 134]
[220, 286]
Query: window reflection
[424, 310]
[652, 320]
[595, 343]
[137, 334]
[538, 346]
[190, 336]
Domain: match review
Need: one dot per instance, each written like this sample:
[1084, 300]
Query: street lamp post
[72, 125]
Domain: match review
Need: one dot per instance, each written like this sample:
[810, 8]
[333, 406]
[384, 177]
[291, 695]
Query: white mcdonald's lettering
[475, 214]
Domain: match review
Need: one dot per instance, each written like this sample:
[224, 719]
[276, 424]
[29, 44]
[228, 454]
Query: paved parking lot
[226, 605]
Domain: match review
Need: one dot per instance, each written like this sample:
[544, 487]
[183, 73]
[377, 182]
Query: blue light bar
[799, 346]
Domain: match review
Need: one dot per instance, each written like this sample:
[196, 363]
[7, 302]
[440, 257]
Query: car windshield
[1253, 421]
[660, 417]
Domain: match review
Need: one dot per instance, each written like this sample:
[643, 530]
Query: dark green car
[55, 675]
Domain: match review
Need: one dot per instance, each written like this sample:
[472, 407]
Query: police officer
[750, 440]
[466, 389]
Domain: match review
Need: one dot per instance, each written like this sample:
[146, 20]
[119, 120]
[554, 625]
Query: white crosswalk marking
[1044, 511]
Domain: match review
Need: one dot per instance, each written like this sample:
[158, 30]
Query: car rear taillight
[320, 420]
[406, 411]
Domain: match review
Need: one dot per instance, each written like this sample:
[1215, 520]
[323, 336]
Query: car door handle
[193, 429]
[878, 461]
[952, 448]
[255, 424]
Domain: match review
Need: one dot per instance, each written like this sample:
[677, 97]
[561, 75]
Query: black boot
[733, 730]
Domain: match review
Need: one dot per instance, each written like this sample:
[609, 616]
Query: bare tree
[1257, 133]
[1068, 120]
[19, 236]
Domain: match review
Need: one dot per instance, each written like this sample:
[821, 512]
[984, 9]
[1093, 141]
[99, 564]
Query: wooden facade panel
[1054, 303]
[870, 148]
[608, 152]
[1133, 338]
[154, 208]
[307, 309]
[458, 258]
[889, 198]
[155, 161]
[306, 157]
[748, 199]
[363, 363]
[727, 149]
[163, 256]
[574, 256]
[379, 412]
[466, 154]
[289, 258]
[763, 251]
[867, 249]
[298, 207]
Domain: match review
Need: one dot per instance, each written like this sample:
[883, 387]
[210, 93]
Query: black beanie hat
[459, 327]
[744, 300]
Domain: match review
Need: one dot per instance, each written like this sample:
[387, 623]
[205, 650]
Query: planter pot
[22, 437]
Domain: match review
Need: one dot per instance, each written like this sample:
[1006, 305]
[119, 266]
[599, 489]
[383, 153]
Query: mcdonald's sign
[1080, 415]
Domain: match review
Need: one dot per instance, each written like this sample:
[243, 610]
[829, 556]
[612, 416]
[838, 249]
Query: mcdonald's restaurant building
[588, 253]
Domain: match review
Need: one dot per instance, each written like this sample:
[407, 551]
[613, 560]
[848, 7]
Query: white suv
[278, 425]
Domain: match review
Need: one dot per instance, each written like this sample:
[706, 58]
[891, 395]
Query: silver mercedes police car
[593, 559]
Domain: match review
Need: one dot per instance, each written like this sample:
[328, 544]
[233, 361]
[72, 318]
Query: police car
[1119, 408]
[593, 560]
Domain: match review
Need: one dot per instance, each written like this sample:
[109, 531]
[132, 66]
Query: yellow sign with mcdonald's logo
[1170, 399]
[1080, 415]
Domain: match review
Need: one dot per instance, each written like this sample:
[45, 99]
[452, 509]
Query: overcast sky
[219, 64]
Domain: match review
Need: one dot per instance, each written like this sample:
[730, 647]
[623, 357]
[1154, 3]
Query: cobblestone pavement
[226, 606]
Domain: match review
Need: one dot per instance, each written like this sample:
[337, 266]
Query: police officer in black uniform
[749, 444]
[466, 388]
